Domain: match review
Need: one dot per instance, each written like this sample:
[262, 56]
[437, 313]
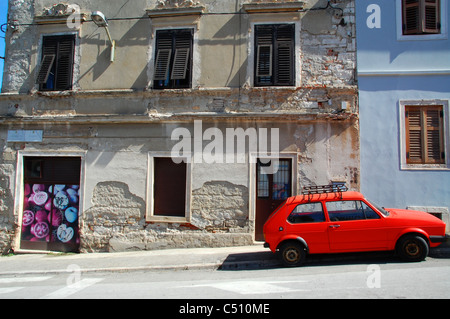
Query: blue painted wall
[390, 70]
[379, 49]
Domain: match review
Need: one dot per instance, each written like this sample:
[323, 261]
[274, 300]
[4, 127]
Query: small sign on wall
[25, 135]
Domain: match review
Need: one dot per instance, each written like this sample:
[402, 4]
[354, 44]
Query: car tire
[412, 248]
[293, 254]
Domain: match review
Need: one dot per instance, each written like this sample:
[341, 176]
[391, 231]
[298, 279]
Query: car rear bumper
[439, 239]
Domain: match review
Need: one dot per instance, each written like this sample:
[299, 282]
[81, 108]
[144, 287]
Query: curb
[224, 264]
[211, 266]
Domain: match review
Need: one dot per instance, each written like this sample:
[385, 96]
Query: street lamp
[100, 20]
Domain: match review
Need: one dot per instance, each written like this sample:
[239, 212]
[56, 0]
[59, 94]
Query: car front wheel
[412, 248]
[292, 254]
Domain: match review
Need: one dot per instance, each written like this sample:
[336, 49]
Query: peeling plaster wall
[115, 182]
[7, 218]
[327, 47]
[116, 120]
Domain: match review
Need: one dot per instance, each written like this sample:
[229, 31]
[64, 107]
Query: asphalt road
[384, 278]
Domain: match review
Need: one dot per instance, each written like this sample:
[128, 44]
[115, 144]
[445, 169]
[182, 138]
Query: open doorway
[51, 203]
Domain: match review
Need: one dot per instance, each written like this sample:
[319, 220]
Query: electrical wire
[328, 6]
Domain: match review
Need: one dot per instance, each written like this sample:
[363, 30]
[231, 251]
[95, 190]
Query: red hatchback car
[327, 219]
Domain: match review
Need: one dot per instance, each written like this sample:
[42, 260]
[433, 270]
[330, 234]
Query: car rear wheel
[292, 254]
[412, 248]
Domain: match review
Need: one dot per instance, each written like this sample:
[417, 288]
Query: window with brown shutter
[274, 62]
[424, 135]
[173, 61]
[421, 17]
[56, 68]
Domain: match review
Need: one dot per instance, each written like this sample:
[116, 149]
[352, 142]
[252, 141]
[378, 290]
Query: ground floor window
[169, 189]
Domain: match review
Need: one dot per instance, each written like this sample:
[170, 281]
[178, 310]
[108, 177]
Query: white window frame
[150, 216]
[403, 163]
[422, 37]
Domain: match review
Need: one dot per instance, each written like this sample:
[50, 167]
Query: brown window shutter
[421, 16]
[434, 135]
[169, 187]
[431, 13]
[411, 16]
[414, 136]
[424, 135]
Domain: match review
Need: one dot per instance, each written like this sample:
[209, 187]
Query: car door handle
[335, 226]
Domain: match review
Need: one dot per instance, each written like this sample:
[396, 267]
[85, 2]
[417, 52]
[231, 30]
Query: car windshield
[379, 208]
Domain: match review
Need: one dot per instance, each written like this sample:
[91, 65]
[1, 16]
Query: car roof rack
[323, 189]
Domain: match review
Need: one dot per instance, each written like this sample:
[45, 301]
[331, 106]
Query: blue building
[404, 82]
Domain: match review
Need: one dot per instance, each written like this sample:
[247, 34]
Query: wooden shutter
[163, 55]
[264, 60]
[45, 68]
[169, 187]
[264, 49]
[62, 48]
[173, 59]
[411, 16]
[274, 63]
[434, 135]
[431, 14]
[285, 55]
[421, 16]
[180, 63]
[162, 64]
[424, 135]
[183, 45]
[414, 135]
[64, 63]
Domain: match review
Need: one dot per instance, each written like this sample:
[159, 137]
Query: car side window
[307, 213]
[369, 212]
[350, 210]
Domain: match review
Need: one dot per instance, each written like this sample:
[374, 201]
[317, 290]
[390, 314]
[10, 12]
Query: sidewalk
[255, 256]
[229, 258]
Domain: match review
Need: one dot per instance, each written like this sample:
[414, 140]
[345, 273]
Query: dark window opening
[56, 68]
[275, 57]
[173, 59]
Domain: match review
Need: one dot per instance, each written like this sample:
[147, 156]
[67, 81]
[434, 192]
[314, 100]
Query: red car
[326, 219]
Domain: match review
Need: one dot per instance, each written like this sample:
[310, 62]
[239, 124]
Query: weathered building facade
[177, 124]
